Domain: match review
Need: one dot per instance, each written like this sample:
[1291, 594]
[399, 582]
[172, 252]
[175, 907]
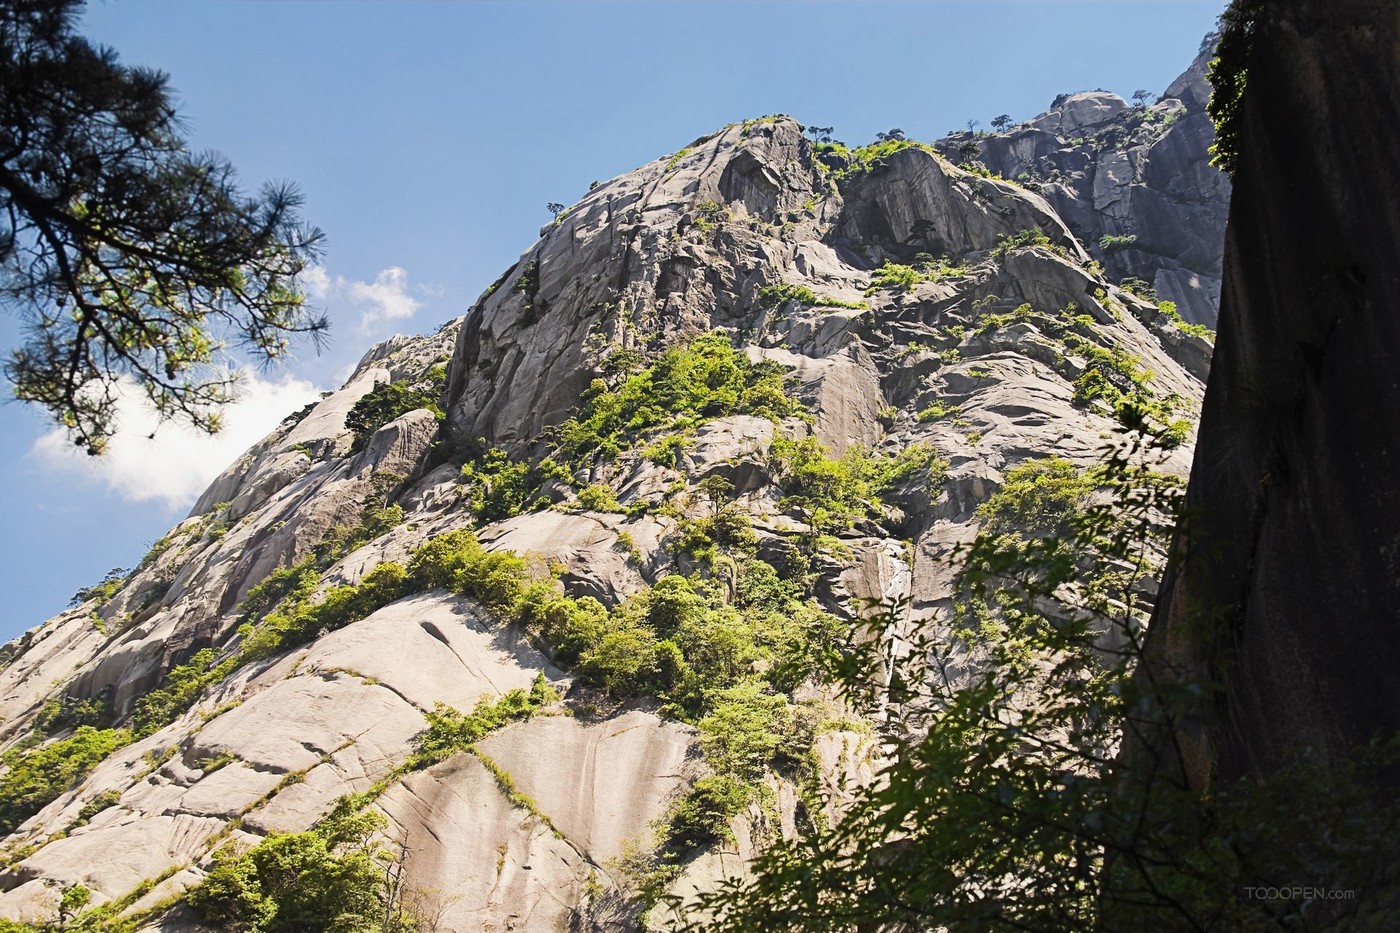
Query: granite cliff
[517, 586]
[1132, 181]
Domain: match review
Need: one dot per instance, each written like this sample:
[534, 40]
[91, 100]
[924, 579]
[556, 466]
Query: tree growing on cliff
[129, 257]
[1003, 803]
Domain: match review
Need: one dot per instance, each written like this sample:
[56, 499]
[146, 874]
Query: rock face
[1137, 174]
[1296, 548]
[748, 232]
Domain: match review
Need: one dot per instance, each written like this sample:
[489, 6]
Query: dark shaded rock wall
[1291, 554]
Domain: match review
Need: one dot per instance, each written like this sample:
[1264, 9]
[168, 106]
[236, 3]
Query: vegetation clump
[780, 293]
[1168, 308]
[388, 400]
[1229, 76]
[1007, 243]
[497, 487]
[864, 159]
[925, 269]
[450, 731]
[832, 493]
[36, 776]
[684, 387]
[331, 878]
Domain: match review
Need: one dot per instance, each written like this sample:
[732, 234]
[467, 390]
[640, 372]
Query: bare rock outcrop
[1134, 183]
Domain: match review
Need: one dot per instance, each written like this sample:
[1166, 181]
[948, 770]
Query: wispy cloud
[168, 462]
[388, 298]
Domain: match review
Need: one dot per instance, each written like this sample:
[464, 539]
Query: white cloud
[387, 298]
[175, 465]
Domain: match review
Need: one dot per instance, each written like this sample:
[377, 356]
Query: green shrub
[599, 497]
[97, 803]
[925, 269]
[388, 400]
[745, 730]
[1031, 236]
[327, 879]
[780, 293]
[937, 411]
[666, 451]
[708, 378]
[450, 731]
[1229, 75]
[832, 493]
[101, 592]
[296, 582]
[701, 818]
[296, 623]
[871, 158]
[179, 690]
[623, 661]
[498, 487]
[1139, 287]
[675, 160]
[1168, 308]
[68, 712]
[1038, 498]
[457, 561]
[36, 776]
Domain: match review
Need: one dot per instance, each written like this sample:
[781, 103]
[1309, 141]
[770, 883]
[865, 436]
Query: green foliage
[708, 378]
[128, 255]
[702, 816]
[498, 487]
[1038, 497]
[832, 493]
[1229, 76]
[68, 712]
[599, 497]
[327, 879]
[101, 592]
[865, 159]
[675, 160]
[1168, 308]
[1114, 378]
[450, 731]
[1004, 803]
[179, 690]
[745, 730]
[709, 214]
[925, 269]
[990, 322]
[457, 561]
[388, 400]
[71, 902]
[780, 293]
[296, 623]
[1139, 287]
[1110, 243]
[97, 803]
[677, 641]
[666, 450]
[296, 583]
[1031, 236]
[38, 775]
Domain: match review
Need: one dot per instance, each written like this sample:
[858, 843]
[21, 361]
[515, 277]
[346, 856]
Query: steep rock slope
[904, 332]
[1294, 554]
[1138, 175]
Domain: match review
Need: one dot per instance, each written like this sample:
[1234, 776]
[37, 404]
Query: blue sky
[428, 136]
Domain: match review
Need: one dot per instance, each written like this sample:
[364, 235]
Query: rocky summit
[535, 603]
[1134, 183]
